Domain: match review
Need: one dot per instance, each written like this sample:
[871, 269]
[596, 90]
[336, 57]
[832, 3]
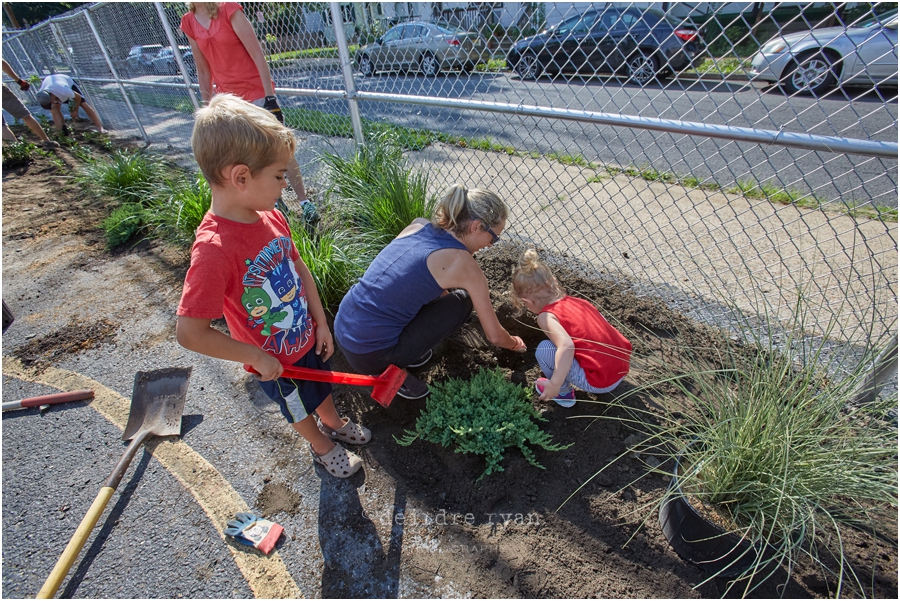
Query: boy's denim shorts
[299, 398]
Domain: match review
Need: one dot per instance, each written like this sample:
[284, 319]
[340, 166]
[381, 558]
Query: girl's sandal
[349, 433]
[339, 462]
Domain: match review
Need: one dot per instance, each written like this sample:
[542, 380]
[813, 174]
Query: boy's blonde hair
[532, 277]
[460, 206]
[231, 131]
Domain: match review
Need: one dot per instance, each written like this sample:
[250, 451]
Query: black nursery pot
[702, 543]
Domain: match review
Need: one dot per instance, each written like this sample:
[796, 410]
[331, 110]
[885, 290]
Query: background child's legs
[91, 113]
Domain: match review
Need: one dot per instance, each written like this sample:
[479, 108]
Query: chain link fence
[712, 157]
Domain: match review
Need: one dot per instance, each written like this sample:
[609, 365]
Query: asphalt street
[854, 113]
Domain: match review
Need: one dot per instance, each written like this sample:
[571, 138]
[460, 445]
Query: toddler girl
[584, 350]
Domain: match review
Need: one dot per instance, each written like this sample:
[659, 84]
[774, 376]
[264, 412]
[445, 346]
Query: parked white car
[864, 53]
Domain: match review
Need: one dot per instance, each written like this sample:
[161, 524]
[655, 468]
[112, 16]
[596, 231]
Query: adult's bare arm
[454, 268]
[204, 75]
[244, 31]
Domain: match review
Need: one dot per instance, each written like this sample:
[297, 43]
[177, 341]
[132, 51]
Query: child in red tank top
[583, 349]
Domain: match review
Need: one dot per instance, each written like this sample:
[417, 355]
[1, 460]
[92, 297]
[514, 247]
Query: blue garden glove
[250, 529]
[271, 105]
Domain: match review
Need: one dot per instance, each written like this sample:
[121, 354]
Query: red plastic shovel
[50, 399]
[385, 386]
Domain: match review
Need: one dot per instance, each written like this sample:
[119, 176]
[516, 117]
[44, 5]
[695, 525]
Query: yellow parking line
[267, 576]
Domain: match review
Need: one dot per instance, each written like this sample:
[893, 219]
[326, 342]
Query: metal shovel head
[157, 402]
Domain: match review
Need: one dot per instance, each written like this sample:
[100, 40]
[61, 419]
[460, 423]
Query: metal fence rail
[698, 183]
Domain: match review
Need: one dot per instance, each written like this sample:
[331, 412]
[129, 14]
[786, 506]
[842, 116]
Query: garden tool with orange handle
[384, 389]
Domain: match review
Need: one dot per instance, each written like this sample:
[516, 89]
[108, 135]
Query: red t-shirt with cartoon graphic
[246, 272]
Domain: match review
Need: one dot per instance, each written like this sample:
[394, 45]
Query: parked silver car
[426, 47]
[863, 53]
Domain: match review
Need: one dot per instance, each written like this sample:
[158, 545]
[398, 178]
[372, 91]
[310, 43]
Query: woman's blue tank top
[393, 290]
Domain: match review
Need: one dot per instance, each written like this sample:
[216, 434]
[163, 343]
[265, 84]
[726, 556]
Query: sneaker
[413, 388]
[422, 360]
[563, 399]
[309, 212]
[50, 144]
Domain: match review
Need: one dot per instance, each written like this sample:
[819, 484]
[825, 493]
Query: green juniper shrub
[124, 222]
[484, 416]
[17, 154]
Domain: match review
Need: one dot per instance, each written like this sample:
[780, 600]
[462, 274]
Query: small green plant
[571, 160]
[336, 257]
[17, 154]
[98, 139]
[175, 215]
[378, 193]
[485, 416]
[124, 222]
[130, 177]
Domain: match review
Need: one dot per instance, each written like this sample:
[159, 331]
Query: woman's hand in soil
[324, 342]
[267, 366]
[520, 345]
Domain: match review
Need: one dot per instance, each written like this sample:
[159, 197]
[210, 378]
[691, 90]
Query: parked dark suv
[643, 45]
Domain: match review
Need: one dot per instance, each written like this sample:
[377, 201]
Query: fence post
[347, 70]
[112, 68]
[883, 368]
[176, 53]
[65, 50]
[25, 54]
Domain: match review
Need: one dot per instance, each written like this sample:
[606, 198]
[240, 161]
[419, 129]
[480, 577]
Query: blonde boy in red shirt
[245, 265]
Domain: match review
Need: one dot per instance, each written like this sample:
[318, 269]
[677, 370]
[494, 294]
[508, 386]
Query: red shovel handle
[50, 399]
[384, 389]
[335, 377]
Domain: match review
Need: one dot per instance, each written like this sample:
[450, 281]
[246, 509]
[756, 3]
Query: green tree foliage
[32, 13]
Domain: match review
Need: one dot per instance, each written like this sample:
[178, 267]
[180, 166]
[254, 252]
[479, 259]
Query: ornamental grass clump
[336, 257]
[770, 445]
[176, 213]
[129, 177]
[485, 416]
[376, 191]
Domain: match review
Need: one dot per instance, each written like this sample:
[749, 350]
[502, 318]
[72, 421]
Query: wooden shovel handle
[62, 567]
